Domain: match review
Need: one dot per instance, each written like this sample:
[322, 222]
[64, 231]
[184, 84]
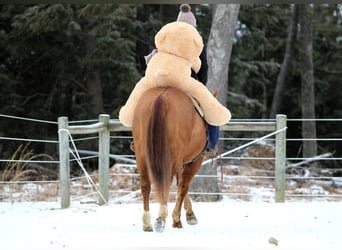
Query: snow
[226, 224]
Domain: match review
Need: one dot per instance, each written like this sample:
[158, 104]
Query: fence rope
[29, 140]
[79, 161]
[27, 119]
[29, 161]
[83, 121]
[245, 145]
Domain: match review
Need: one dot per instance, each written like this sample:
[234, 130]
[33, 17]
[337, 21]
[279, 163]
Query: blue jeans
[213, 136]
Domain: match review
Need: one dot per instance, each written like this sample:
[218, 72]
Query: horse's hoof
[159, 225]
[177, 224]
[191, 220]
[147, 229]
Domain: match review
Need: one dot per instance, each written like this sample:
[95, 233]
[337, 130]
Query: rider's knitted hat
[185, 15]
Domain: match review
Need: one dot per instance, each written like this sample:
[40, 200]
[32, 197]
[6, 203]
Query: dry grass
[259, 151]
[19, 173]
[19, 168]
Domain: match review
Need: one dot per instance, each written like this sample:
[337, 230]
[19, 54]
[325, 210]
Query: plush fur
[179, 45]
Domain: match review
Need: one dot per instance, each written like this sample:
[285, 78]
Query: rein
[196, 157]
[205, 146]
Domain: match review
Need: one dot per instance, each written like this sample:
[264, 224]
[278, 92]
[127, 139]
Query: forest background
[82, 60]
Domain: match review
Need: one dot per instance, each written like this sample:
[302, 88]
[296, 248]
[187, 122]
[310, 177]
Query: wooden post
[104, 143]
[280, 159]
[64, 164]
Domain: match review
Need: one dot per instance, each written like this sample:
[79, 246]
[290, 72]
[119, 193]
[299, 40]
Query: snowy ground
[246, 218]
[225, 224]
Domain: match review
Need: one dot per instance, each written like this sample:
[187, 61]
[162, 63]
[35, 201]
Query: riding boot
[213, 138]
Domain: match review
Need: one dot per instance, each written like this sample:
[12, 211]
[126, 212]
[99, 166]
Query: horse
[169, 137]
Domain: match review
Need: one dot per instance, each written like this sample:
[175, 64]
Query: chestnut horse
[169, 137]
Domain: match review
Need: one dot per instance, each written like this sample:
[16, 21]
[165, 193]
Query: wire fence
[247, 174]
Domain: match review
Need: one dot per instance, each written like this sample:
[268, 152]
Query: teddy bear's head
[181, 39]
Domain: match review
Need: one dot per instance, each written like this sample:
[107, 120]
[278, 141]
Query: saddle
[197, 106]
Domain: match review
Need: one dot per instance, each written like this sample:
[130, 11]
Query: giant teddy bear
[179, 45]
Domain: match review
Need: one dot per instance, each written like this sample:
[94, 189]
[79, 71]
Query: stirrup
[131, 146]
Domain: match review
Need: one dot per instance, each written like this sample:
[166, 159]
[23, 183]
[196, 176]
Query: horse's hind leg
[182, 191]
[145, 186]
[159, 225]
[190, 216]
[182, 195]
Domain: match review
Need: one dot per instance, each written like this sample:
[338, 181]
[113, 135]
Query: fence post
[280, 159]
[104, 143]
[64, 164]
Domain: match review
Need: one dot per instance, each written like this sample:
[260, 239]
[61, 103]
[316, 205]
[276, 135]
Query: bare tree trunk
[280, 85]
[94, 86]
[219, 49]
[307, 79]
[94, 89]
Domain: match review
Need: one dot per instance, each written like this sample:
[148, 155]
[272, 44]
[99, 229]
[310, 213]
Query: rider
[185, 15]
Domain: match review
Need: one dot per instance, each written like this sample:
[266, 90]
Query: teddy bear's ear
[160, 36]
[198, 43]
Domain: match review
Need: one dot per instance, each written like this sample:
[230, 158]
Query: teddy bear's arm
[127, 111]
[214, 112]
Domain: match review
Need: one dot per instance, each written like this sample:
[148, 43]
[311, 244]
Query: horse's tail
[158, 151]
